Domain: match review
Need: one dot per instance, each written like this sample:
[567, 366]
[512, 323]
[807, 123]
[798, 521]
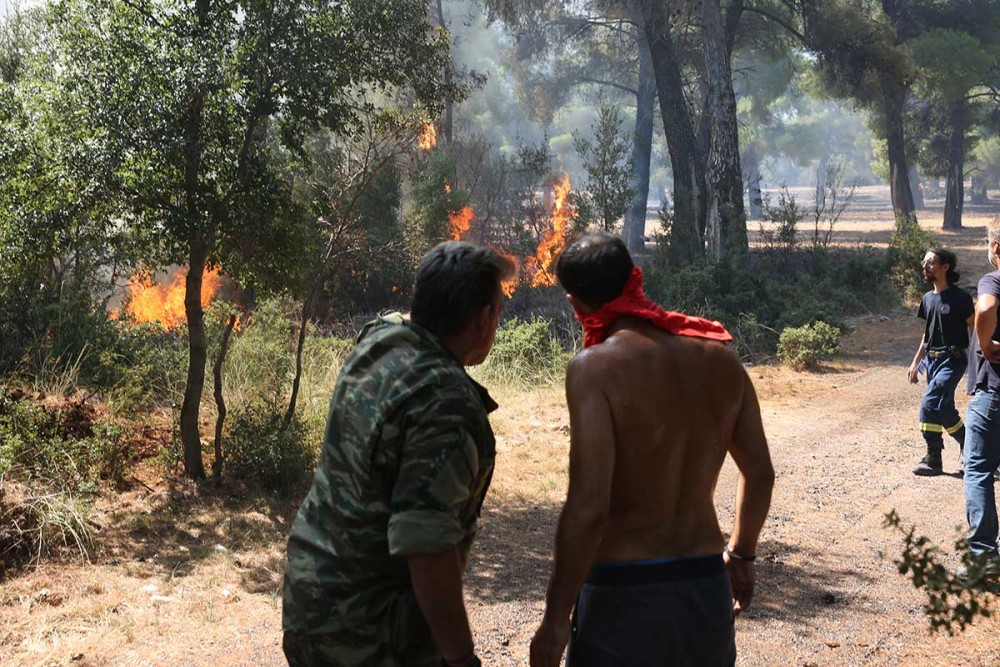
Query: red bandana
[633, 303]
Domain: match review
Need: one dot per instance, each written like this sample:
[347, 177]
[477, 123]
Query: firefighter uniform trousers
[938, 414]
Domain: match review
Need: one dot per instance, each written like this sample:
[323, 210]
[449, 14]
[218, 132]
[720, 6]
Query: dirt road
[843, 443]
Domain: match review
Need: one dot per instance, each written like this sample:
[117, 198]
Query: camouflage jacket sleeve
[439, 462]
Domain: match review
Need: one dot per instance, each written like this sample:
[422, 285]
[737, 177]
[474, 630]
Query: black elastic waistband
[948, 352]
[637, 574]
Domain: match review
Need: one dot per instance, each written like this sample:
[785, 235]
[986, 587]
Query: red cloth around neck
[633, 303]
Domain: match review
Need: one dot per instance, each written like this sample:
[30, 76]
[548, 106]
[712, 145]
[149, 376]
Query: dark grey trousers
[654, 613]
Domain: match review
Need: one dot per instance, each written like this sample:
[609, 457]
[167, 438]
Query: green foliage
[772, 291]
[907, 247]
[260, 362]
[265, 454]
[781, 236]
[433, 198]
[373, 268]
[804, 347]
[954, 598]
[524, 354]
[986, 158]
[951, 62]
[63, 447]
[144, 78]
[142, 368]
[60, 239]
[322, 358]
[609, 171]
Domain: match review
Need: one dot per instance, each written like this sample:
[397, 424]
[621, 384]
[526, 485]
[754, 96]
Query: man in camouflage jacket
[377, 551]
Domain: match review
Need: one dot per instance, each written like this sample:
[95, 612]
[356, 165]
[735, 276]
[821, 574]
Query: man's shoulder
[392, 358]
[989, 284]
[622, 346]
[959, 293]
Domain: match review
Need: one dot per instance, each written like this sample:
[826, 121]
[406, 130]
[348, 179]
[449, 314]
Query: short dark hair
[948, 257]
[595, 268]
[455, 280]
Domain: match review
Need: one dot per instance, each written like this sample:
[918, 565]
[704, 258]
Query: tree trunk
[918, 192]
[194, 467]
[725, 221]
[299, 346]
[448, 119]
[220, 401]
[955, 189]
[755, 196]
[198, 247]
[899, 180]
[642, 150]
[688, 170]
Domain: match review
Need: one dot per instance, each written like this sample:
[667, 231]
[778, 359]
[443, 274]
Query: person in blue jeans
[947, 311]
[982, 443]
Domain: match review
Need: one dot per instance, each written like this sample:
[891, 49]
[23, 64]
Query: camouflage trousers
[400, 639]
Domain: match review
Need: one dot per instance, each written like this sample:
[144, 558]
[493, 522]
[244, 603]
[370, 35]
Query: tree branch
[777, 19]
[613, 84]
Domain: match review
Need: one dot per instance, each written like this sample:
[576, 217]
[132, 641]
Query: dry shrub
[38, 523]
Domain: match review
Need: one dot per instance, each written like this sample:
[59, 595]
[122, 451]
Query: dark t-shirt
[946, 314]
[987, 374]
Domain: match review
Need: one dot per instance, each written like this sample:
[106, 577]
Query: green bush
[803, 347]
[907, 247]
[65, 447]
[775, 289]
[524, 353]
[785, 217]
[145, 368]
[265, 454]
[261, 358]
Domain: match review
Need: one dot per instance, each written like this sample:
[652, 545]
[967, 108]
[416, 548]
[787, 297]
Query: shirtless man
[655, 403]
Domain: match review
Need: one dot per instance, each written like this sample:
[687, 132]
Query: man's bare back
[656, 401]
[675, 402]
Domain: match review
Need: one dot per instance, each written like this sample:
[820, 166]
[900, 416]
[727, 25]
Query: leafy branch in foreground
[954, 599]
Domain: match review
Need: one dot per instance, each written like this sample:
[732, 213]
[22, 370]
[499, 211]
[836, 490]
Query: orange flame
[555, 238]
[460, 222]
[428, 137]
[510, 286]
[152, 302]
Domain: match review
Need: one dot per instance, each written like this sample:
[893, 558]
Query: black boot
[930, 465]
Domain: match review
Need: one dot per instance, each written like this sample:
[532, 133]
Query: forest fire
[149, 301]
[460, 222]
[555, 238]
[510, 286]
[428, 137]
